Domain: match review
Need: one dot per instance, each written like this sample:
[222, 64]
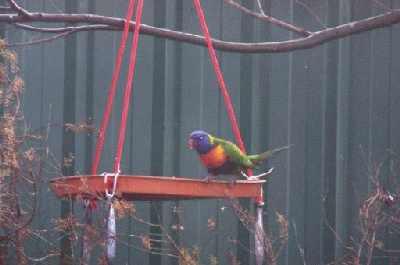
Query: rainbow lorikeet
[222, 157]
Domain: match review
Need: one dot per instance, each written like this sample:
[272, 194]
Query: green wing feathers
[234, 153]
[242, 160]
[246, 161]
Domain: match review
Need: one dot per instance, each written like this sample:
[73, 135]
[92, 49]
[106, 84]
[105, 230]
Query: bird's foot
[244, 174]
[262, 175]
[207, 179]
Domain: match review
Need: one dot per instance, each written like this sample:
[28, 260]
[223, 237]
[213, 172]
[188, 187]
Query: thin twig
[63, 29]
[39, 41]
[272, 20]
[260, 7]
[309, 9]
[371, 248]
[299, 247]
[381, 5]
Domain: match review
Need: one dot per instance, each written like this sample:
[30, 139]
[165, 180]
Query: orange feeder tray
[156, 188]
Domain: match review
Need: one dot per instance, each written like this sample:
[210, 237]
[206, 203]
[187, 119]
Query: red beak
[190, 143]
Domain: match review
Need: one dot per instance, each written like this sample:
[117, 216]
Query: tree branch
[315, 39]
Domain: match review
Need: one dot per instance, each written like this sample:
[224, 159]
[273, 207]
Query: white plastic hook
[111, 225]
[115, 175]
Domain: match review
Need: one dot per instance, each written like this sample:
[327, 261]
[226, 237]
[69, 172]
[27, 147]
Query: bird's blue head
[200, 141]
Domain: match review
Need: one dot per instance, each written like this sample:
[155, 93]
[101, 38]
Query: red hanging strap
[128, 87]
[112, 89]
[220, 78]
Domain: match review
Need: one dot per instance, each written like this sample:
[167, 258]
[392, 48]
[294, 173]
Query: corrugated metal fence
[336, 104]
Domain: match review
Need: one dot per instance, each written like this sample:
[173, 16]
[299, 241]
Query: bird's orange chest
[215, 158]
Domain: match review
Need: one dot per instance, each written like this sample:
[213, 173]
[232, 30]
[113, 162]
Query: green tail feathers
[267, 154]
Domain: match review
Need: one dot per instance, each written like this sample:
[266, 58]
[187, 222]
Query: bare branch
[315, 39]
[65, 29]
[272, 20]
